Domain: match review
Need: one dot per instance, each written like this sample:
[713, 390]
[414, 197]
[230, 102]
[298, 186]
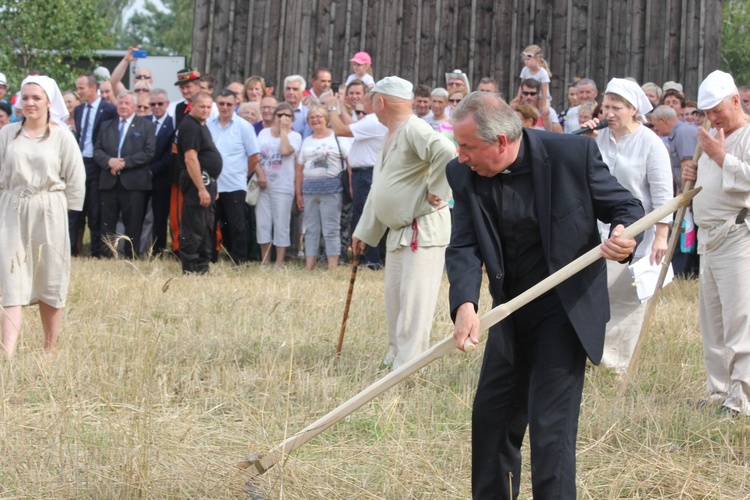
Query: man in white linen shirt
[723, 172]
[409, 197]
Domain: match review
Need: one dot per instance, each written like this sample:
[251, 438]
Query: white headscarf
[57, 110]
[631, 92]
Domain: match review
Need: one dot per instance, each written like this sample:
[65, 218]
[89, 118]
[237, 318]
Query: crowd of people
[420, 178]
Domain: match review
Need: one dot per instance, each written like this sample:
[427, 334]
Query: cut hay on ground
[163, 383]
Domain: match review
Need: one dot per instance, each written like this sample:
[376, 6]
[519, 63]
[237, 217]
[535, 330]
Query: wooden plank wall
[650, 40]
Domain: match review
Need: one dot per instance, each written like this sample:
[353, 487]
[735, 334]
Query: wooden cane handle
[469, 345]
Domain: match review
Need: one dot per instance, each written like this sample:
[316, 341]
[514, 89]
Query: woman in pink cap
[362, 67]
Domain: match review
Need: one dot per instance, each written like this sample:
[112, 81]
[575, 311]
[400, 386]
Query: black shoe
[727, 412]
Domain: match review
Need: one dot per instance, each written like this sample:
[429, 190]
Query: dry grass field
[163, 383]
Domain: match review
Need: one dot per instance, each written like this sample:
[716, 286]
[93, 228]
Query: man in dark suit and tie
[161, 184]
[123, 151]
[89, 115]
[526, 204]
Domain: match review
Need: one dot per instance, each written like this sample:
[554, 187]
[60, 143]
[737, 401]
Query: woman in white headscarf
[41, 177]
[636, 156]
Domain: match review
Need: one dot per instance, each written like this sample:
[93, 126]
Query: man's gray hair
[157, 91]
[126, 92]
[586, 81]
[439, 92]
[296, 78]
[491, 114]
[664, 112]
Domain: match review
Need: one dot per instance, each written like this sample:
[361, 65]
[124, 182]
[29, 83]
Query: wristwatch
[332, 108]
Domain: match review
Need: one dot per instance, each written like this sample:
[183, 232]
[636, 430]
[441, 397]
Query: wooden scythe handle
[259, 463]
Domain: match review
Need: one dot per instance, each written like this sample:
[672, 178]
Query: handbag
[253, 191]
[346, 196]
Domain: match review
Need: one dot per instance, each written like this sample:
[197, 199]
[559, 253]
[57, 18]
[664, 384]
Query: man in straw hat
[409, 196]
[526, 205]
[724, 242]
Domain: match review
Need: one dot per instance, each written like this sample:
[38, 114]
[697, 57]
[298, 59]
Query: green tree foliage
[49, 37]
[735, 43]
[162, 32]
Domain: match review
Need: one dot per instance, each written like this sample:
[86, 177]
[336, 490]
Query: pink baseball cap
[361, 58]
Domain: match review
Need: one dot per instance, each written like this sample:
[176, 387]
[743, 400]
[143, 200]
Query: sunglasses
[359, 112]
[154, 104]
[526, 55]
[224, 104]
[142, 90]
[279, 115]
[454, 100]
[143, 107]
[529, 93]
[142, 77]
[698, 113]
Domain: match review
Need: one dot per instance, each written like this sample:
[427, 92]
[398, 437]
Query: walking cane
[259, 463]
[355, 266]
[648, 315]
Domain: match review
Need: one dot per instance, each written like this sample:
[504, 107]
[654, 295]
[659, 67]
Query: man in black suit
[161, 184]
[526, 204]
[123, 151]
[89, 115]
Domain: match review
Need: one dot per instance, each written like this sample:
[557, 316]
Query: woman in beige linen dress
[41, 177]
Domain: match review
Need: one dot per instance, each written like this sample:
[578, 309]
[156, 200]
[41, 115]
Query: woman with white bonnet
[636, 156]
[41, 177]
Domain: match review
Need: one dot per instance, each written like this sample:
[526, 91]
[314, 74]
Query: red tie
[188, 107]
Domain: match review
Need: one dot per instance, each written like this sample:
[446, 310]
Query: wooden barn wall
[650, 40]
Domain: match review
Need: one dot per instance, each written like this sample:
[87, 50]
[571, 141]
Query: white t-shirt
[367, 79]
[279, 169]
[321, 157]
[541, 76]
[368, 138]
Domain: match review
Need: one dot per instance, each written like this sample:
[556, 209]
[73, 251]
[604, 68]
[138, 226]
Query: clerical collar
[518, 162]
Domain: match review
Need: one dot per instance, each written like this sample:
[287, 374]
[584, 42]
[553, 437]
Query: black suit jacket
[572, 189]
[137, 150]
[162, 160]
[105, 111]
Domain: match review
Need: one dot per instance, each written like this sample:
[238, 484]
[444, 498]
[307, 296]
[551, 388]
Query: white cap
[717, 86]
[102, 74]
[670, 85]
[3, 80]
[631, 92]
[394, 86]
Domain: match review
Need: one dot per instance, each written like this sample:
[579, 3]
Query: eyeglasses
[155, 104]
[315, 117]
[456, 101]
[224, 104]
[143, 107]
[279, 115]
[526, 55]
[142, 90]
[455, 84]
[142, 77]
[698, 113]
[359, 112]
[529, 93]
